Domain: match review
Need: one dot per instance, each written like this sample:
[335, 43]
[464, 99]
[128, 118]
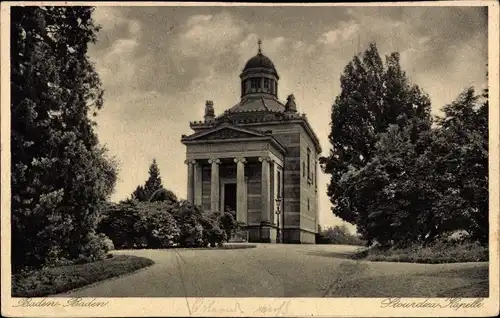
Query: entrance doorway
[230, 197]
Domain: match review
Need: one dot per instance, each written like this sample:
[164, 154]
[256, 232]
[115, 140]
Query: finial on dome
[259, 42]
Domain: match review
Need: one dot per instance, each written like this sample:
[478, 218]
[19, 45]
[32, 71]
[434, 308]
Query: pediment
[225, 131]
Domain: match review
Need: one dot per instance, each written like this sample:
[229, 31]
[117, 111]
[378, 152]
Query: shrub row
[164, 224]
[438, 252]
[54, 280]
[338, 235]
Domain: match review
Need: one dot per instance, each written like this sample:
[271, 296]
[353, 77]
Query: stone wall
[290, 139]
[308, 187]
[300, 197]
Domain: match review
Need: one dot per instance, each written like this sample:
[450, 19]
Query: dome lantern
[259, 76]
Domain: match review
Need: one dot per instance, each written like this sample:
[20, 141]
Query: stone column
[266, 190]
[241, 196]
[198, 184]
[215, 187]
[190, 185]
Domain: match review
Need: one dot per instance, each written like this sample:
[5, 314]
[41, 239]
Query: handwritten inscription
[72, 302]
[279, 309]
[211, 306]
[454, 303]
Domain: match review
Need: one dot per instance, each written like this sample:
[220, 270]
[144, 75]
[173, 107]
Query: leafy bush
[240, 234]
[213, 233]
[163, 224]
[119, 223]
[228, 223]
[161, 227]
[338, 235]
[438, 252]
[93, 249]
[163, 195]
[135, 224]
[50, 281]
[189, 217]
[107, 242]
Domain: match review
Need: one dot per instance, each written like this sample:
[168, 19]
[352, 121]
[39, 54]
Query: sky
[159, 65]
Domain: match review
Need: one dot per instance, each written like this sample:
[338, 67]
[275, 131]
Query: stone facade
[254, 153]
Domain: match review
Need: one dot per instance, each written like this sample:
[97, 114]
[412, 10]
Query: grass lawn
[50, 281]
[434, 254]
[456, 282]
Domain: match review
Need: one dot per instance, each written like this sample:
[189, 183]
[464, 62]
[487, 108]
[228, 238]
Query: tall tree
[153, 189]
[60, 174]
[373, 96]
[394, 188]
[154, 181]
[462, 145]
[139, 194]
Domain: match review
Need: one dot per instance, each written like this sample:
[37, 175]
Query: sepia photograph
[209, 155]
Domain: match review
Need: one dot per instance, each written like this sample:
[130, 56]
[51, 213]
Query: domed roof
[259, 60]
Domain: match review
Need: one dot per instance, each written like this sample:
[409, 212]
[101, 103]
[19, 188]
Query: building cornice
[302, 121]
[270, 139]
[288, 118]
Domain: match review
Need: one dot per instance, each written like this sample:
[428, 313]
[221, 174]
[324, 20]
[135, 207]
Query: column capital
[214, 160]
[262, 159]
[189, 162]
[240, 159]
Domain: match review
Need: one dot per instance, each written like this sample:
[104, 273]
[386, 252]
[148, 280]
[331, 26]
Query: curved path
[271, 270]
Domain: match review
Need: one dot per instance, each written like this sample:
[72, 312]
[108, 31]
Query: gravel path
[272, 270]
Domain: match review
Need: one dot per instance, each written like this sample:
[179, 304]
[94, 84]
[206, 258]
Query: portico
[234, 160]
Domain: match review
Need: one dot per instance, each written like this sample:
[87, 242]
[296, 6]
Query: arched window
[267, 85]
[309, 163]
[254, 84]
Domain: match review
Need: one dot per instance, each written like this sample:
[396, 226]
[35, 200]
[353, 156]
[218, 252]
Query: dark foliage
[338, 234]
[60, 175]
[399, 179]
[153, 189]
[50, 281]
[163, 224]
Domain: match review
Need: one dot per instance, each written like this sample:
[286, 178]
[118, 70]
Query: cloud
[198, 19]
[134, 27]
[117, 63]
[207, 34]
[345, 32]
[108, 17]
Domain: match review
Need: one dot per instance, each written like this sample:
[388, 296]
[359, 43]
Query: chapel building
[254, 153]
